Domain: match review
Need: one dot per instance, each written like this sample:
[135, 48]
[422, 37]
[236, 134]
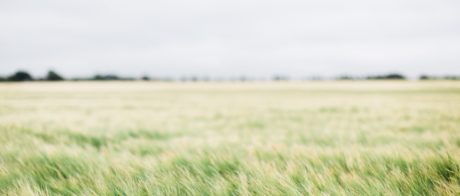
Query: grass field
[298, 138]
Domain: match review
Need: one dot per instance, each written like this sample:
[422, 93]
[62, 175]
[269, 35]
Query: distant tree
[424, 77]
[345, 77]
[452, 77]
[53, 76]
[98, 77]
[194, 78]
[106, 77]
[446, 77]
[280, 78]
[20, 76]
[2, 79]
[392, 76]
[313, 78]
[145, 78]
[395, 76]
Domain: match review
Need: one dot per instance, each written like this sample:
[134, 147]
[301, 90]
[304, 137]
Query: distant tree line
[54, 76]
[25, 76]
[391, 76]
[447, 77]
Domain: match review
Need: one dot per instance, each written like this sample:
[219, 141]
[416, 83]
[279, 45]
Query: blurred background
[230, 39]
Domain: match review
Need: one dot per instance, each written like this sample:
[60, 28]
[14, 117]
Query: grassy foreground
[311, 138]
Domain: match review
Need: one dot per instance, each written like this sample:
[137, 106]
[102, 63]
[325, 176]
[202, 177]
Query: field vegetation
[254, 138]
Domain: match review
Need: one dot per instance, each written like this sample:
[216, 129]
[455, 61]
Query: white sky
[225, 38]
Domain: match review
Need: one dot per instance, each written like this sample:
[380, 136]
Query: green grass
[310, 138]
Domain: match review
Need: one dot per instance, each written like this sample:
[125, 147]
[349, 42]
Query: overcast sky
[230, 37]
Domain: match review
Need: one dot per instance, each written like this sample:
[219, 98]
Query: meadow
[254, 138]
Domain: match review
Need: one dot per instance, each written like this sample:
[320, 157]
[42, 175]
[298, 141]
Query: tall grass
[317, 138]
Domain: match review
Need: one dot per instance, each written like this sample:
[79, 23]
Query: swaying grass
[311, 138]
